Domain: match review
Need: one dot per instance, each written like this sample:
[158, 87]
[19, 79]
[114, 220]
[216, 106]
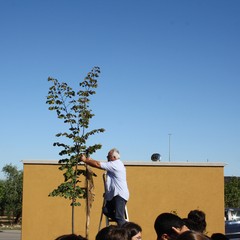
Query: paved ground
[10, 235]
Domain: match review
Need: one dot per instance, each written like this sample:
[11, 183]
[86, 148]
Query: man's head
[134, 230]
[70, 237]
[164, 225]
[113, 155]
[193, 235]
[198, 217]
[113, 233]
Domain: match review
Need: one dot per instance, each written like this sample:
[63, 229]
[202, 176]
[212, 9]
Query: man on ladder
[117, 193]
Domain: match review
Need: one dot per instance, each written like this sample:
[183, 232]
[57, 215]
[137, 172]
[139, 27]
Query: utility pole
[169, 145]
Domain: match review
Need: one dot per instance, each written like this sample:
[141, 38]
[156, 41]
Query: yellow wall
[154, 188]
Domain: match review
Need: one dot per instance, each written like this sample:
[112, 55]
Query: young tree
[76, 114]
[232, 193]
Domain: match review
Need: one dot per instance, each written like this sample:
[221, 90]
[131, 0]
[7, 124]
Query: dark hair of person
[164, 223]
[132, 228]
[192, 235]
[113, 233]
[219, 236]
[190, 224]
[103, 234]
[199, 220]
[70, 237]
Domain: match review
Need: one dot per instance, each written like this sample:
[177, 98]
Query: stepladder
[108, 220]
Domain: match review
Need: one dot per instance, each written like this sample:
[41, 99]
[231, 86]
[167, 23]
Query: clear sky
[167, 67]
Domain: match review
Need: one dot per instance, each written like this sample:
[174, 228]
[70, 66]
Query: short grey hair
[115, 153]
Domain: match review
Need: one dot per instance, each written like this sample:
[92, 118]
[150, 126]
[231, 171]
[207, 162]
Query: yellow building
[155, 187]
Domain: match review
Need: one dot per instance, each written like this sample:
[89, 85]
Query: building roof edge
[142, 163]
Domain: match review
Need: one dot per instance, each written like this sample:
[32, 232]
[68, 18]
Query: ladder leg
[126, 214]
[100, 223]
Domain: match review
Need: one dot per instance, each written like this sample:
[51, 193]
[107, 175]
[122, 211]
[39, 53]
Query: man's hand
[180, 230]
[89, 161]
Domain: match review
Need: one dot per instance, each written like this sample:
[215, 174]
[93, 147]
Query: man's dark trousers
[115, 209]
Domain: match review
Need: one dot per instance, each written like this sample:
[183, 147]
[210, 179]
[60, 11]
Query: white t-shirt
[116, 183]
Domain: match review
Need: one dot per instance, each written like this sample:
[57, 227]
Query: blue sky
[166, 67]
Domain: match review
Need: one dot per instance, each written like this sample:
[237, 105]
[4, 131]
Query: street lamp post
[169, 144]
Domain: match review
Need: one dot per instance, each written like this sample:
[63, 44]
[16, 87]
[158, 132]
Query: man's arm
[90, 162]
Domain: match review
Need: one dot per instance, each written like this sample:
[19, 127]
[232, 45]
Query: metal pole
[169, 144]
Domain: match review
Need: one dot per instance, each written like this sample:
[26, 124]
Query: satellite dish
[156, 157]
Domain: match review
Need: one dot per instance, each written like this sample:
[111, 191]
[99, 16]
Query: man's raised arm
[90, 161]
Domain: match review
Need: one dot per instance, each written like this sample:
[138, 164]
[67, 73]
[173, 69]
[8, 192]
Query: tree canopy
[11, 192]
[232, 192]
